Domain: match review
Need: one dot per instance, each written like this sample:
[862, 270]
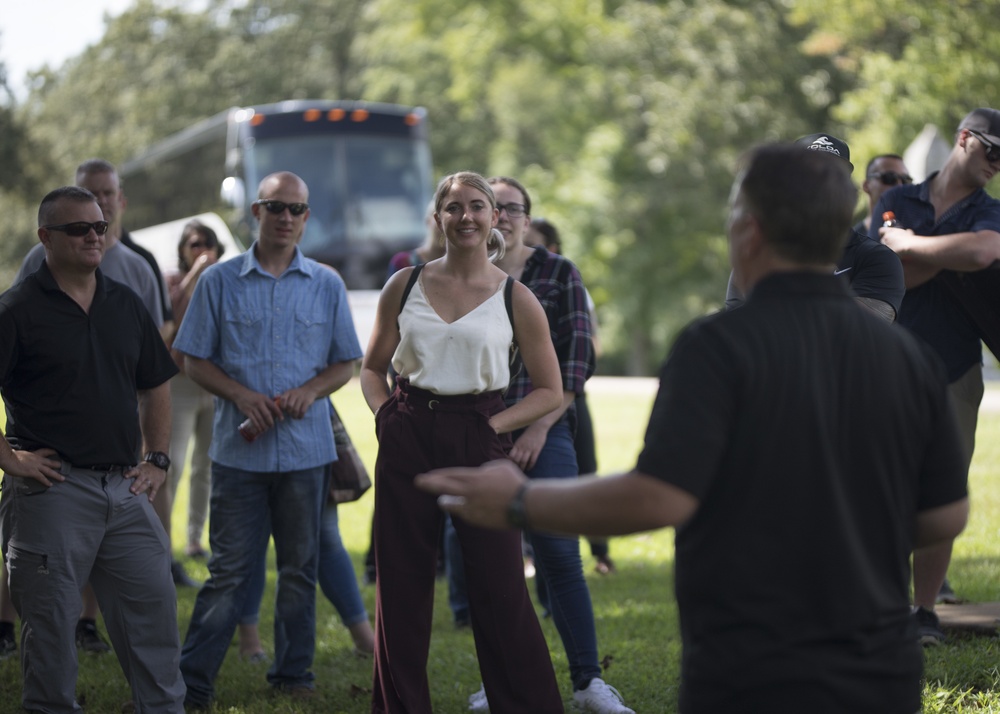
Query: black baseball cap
[829, 144]
[984, 120]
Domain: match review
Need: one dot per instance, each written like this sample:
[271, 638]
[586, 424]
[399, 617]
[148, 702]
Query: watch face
[158, 459]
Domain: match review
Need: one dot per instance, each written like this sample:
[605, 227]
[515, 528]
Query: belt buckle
[432, 402]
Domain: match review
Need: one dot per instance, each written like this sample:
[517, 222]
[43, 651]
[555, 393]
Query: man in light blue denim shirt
[270, 334]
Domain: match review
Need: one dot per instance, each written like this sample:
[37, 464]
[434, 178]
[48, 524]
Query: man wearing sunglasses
[84, 375]
[883, 172]
[270, 334]
[949, 241]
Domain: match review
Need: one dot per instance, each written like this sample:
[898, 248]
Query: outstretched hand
[478, 495]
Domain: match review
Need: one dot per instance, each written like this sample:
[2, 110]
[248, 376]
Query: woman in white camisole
[450, 344]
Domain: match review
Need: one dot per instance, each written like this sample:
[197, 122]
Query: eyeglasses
[992, 150]
[514, 210]
[195, 245]
[891, 178]
[278, 207]
[80, 228]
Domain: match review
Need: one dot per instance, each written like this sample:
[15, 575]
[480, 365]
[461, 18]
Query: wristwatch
[158, 459]
[517, 515]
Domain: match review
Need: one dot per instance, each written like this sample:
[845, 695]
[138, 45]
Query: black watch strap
[517, 514]
[157, 459]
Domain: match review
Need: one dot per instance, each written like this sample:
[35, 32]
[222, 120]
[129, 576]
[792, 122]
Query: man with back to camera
[270, 334]
[873, 273]
[948, 235]
[792, 552]
[84, 376]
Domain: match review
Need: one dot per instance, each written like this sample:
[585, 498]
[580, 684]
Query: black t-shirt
[872, 270]
[69, 378]
[811, 432]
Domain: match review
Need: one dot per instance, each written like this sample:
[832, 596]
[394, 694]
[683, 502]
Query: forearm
[606, 506]
[330, 379]
[539, 403]
[374, 387]
[155, 418]
[966, 252]
[209, 376]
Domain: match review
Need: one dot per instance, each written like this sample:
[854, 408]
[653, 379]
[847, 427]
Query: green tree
[625, 119]
[911, 64]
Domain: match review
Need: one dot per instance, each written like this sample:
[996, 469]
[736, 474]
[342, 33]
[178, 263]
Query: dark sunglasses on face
[514, 210]
[891, 178]
[992, 150]
[278, 207]
[80, 228]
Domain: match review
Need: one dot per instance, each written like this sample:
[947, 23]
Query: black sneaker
[928, 627]
[181, 578]
[89, 639]
[8, 643]
[946, 595]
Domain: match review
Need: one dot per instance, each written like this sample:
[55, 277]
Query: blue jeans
[246, 507]
[458, 596]
[335, 575]
[557, 561]
[336, 572]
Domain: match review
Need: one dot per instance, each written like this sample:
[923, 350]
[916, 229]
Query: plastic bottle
[248, 431]
[889, 220]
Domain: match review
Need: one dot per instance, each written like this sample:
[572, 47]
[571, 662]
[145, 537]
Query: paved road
[642, 386]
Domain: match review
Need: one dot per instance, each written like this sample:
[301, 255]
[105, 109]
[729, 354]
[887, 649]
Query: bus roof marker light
[257, 119]
[359, 115]
[336, 114]
[311, 115]
[412, 119]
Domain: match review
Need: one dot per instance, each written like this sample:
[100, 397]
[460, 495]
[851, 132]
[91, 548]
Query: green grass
[634, 609]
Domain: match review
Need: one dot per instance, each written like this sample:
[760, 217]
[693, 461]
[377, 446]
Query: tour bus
[367, 165]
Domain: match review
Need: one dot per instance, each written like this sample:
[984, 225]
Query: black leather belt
[103, 467]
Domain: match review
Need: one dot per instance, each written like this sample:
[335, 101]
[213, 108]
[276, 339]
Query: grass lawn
[635, 611]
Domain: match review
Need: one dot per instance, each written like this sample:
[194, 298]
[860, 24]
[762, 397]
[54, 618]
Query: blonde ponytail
[495, 246]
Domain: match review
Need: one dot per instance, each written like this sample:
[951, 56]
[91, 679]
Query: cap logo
[824, 144]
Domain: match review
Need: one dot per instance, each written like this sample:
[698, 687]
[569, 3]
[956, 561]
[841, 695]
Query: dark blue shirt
[931, 310]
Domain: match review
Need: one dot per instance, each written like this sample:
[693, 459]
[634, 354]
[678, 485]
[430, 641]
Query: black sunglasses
[992, 150]
[80, 228]
[278, 207]
[891, 178]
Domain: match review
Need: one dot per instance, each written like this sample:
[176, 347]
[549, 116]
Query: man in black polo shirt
[795, 520]
[84, 377]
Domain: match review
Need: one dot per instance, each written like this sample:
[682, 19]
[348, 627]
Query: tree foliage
[625, 118]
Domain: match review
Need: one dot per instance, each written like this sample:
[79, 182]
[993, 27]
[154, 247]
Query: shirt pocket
[243, 331]
[312, 332]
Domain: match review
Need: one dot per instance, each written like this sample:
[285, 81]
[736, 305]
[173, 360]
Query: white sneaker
[600, 698]
[477, 701]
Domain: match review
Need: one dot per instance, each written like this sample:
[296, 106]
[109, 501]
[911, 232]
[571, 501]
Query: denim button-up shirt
[270, 335]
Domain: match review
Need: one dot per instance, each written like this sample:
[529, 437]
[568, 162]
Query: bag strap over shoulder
[409, 285]
[514, 359]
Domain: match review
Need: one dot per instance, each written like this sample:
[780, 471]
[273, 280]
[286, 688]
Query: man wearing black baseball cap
[872, 270]
[949, 241]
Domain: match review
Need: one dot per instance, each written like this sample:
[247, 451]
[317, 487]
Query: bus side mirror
[233, 192]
